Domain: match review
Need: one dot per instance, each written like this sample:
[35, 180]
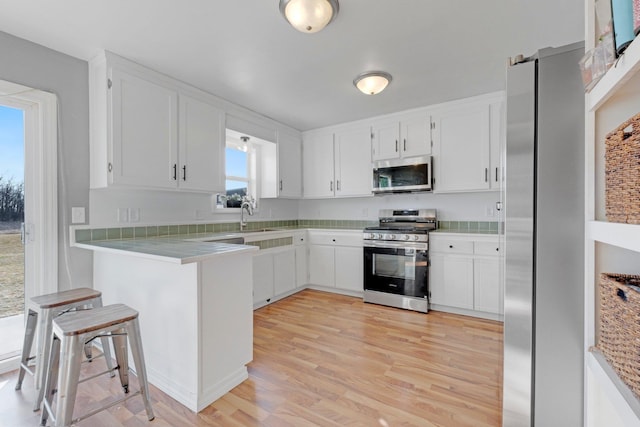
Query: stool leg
[135, 341]
[42, 359]
[70, 362]
[120, 347]
[51, 379]
[30, 329]
[106, 349]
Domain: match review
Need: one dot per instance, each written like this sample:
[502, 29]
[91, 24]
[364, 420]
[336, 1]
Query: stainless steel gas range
[396, 259]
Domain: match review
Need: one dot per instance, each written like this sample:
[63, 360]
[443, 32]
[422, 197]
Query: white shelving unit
[609, 247]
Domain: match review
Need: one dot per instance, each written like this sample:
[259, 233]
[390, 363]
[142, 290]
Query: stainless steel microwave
[402, 175]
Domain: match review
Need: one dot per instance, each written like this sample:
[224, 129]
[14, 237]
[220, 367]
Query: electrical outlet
[122, 214]
[77, 215]
[134, 214]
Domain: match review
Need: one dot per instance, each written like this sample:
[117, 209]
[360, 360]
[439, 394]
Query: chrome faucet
[247, 204]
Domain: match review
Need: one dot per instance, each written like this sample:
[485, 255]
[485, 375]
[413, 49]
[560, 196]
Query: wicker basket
[622, 172]
[619, 338]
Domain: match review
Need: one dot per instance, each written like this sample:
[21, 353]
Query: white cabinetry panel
[201, 159]
[353, 162]
[349, 264]
[317, 163]
[321, 265]
[289, 166]
[145, 133]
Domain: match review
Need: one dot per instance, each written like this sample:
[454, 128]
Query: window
[240, 170]
[237, 181]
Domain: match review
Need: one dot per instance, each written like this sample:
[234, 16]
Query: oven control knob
[406, 237]
[416, 237]
[370, 236]
[392, 237]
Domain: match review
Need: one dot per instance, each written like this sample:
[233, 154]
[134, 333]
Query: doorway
[30, 265]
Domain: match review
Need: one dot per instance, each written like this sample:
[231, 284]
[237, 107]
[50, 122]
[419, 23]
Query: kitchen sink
[234, 240]
[259, 230]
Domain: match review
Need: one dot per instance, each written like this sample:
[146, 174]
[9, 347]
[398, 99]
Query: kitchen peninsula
[196, 310]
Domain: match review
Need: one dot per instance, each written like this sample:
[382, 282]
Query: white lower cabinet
[452, 281]
[349, 268]
[322, 265]
[262, 277]
[336, 260]
[465, 274]
[488, 290]
[274, 274]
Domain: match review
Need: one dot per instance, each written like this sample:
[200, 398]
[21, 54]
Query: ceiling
[244, 51]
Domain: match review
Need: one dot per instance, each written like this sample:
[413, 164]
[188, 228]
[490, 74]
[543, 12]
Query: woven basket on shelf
[622, 172]
[619, 338]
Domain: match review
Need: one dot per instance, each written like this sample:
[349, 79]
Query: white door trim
[41, 181]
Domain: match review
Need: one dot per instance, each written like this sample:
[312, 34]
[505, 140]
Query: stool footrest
[98, 374]
[109, 405]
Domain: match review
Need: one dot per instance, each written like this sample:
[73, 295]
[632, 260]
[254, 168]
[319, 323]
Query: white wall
[450, 207]
[41, 68]
[171, 207]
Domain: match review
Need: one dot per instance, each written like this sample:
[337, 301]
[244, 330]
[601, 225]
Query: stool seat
[81, 322]
[72, 296]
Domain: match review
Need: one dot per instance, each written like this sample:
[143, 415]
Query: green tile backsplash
[85, 235]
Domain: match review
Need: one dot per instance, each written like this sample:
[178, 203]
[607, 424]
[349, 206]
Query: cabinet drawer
[451, 246]
[335, 238]
[300, 238]
[487, 248]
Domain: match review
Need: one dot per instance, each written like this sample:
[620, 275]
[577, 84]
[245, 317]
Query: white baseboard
[10, 364]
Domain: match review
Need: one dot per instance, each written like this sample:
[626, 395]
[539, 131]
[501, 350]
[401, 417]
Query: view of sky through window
[11, 144]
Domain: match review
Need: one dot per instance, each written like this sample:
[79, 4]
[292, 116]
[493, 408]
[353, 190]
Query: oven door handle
[396, 245]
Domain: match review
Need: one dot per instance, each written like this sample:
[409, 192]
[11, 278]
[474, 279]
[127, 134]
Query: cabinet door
[462, 137]
[289, 166]
[353, 170]
[317, 165]
[284, 271]
[301, 266]
[488, 291]
[201, 159]
[144, 132]
[386, 141]
[415, 136]
[321, 265]
[451, 281]
[349, 268]
[262, 277]
[497, 143]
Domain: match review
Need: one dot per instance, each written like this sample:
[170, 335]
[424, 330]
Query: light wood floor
[328, 360]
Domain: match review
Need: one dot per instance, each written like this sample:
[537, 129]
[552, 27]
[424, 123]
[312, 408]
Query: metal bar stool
[49, 307]
[70, 333]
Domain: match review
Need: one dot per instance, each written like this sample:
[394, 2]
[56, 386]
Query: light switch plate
[77, 215]
[134, 214]
[123, 214]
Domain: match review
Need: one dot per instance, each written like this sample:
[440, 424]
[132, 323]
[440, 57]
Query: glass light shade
[373, 82]
[309, 16]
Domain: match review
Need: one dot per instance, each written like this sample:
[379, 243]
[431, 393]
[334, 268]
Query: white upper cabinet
[467, 138]
[150, 131]
[201, 155]
[289, 166]
[408, 136]
[353, 171]
[317, 164]
[144, 132]
[337, 163]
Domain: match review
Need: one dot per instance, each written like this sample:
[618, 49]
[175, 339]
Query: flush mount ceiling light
[309, 16]
[372, 82]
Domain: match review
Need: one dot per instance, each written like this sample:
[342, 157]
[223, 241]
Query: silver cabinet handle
[175, 171]
[338, 185]
[396, 145]
[496, 174]
[280, 185]
[404, 146]
[486, 174]
[184, 172]
[331, 185]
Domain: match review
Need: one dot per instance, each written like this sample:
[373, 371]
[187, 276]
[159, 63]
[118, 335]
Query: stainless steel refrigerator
[544, 240]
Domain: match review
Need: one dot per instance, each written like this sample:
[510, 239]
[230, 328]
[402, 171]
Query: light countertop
[172, 249]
